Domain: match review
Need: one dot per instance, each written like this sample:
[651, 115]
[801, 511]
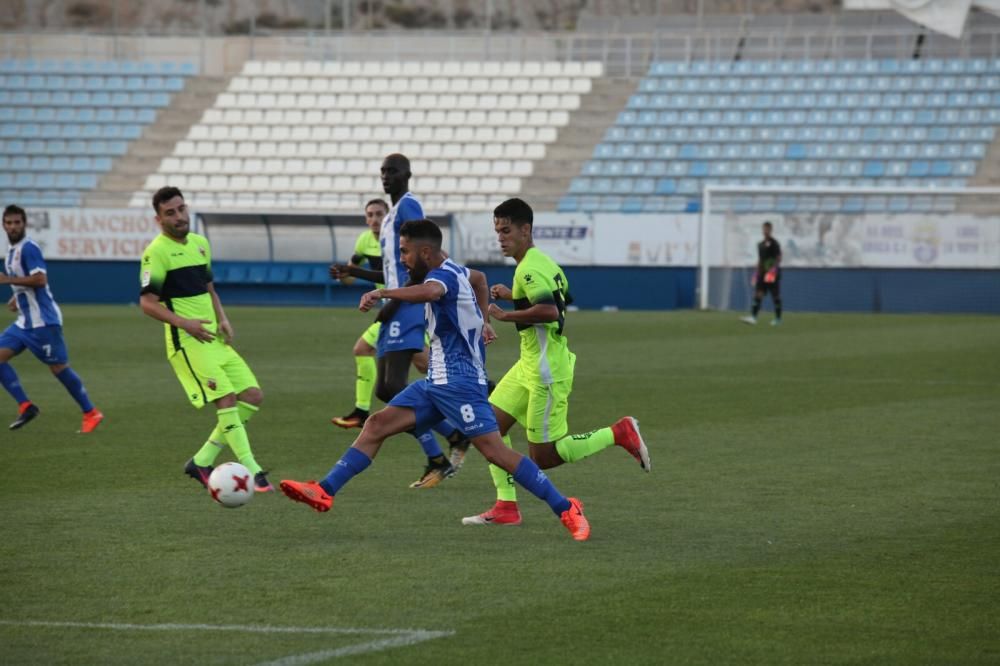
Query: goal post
[902, 249]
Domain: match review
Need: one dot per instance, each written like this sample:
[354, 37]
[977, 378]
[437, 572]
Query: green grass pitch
[822, 492]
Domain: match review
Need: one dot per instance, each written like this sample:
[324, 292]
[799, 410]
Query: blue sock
[352, 463]
[74, 385]
[444, 428]
[429, 443]
[13, 385]
[535, 482]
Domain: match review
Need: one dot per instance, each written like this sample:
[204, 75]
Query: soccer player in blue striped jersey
[39, 324]
[403, 327]
[454, 299]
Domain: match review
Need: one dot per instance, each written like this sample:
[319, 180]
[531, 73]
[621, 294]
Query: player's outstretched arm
[150, 304]
[481, 288]
[37, 279]
[346, 273]
[501, 292]
[539, 313]
[418, 293]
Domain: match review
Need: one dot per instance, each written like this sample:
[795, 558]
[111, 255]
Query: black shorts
[773, 287]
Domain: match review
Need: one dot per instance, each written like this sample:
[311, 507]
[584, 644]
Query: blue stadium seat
[873, 169]
[277, 274]
[899, 204]
[236, 274]
[567, 204]
[698, 169]
[610, 204]
[299, 274]
[666, 186]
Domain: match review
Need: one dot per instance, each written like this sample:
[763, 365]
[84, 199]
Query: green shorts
[370, 335]
[210, 371]
[543, 409]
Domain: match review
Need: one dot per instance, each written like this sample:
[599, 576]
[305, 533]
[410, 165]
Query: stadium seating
[313, 134]
[62, 122]
[919, 123]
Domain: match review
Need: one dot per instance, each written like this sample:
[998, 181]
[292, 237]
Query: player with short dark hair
[455, 387]
[402, 333]
[535, 391]
[367, 251]
[767, 277]
[39, 324]
[177, 289]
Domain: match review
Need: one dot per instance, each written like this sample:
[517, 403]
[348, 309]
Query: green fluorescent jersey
[544, 350]
[179, 274]
[367, 248]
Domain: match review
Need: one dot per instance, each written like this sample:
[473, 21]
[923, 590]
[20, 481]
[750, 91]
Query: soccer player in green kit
[177, 289]
[535, 391]
[368, 250]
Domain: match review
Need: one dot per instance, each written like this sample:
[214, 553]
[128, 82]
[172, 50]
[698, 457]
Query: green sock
[235, 435]
[247, 411]
[365, 383]
[213, 446]
[503, 479]
[572, 448]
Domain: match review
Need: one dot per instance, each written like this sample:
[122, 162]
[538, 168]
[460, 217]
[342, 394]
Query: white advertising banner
[92, 234]
[646, 240]
[863, 241]
[580, 239]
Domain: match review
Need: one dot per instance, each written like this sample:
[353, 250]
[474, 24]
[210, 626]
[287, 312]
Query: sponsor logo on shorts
[211, 384]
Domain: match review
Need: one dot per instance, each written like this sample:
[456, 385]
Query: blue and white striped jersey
[35, 305]
[406, 209]
[455, 325]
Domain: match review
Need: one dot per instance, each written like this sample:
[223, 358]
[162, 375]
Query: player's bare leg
[529, 476]
[380, 426]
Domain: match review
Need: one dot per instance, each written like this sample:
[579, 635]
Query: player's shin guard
[213, 446]
[537, 483]
[365, 383]
[504, 480]
[352, 463]
[235, 436]
[74, 385]
[429, 443]
[756, 306]
[572, 448]
[13, 385]
[777, 308]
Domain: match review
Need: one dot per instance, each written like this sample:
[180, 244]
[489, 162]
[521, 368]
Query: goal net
[855, 249]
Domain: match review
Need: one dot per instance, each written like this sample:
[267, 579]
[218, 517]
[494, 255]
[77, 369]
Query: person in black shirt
[767, 278]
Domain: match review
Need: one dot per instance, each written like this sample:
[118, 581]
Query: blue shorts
[46, 343]
[404, 331]
[463, 403]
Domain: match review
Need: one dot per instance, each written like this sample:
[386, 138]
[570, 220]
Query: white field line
[412, 638]
[394, 637]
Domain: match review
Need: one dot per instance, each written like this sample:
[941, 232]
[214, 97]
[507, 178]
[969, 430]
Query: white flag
[947, 16]
[991, 6]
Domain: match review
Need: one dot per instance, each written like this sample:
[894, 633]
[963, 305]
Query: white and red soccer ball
[231, 485]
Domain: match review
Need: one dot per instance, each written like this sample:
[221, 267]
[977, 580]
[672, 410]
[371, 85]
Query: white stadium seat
[313, 133]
